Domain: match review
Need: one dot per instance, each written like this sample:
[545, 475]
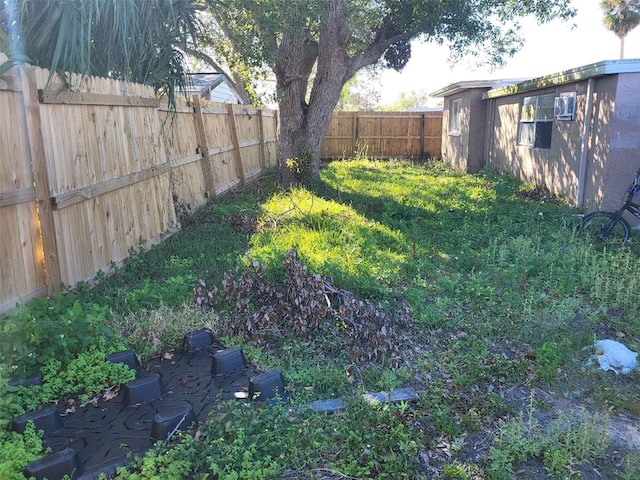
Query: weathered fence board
[383, 134]
[109, 178]
[247, 121]
[87, 172]
[22, 271]
[184, 158]
[217, 129]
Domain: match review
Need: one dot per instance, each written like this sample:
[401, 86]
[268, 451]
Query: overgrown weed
[503, 295]
[563, 445]
[149, 332]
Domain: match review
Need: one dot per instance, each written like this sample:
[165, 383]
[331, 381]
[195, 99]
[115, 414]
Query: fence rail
[88, 172]
[383, 134]
[91, 167]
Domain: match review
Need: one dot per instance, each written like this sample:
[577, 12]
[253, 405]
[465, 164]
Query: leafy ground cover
[472, 289]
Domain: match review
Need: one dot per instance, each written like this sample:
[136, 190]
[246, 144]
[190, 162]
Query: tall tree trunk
[303, 125]
[621, 47]
[296, 59]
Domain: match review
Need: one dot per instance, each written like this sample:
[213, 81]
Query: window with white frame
[454, 116]
[536, 121]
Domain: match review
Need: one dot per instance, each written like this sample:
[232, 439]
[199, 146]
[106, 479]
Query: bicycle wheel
[598, 227]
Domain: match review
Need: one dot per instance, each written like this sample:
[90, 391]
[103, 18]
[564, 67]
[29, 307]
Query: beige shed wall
[455, 144]
[489, 137]
[464, 150]
[557, 167]
[604, 93]
[477, 122]
[624, 154]
[613, 145]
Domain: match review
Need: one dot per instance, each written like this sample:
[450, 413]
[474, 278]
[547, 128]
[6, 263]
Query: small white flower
[540, 214]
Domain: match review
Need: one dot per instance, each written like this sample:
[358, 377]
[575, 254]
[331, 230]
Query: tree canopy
[407, 100]
[313, 47]
[333, 39]
[134, 40]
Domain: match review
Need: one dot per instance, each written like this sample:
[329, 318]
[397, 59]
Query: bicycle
[611, 227]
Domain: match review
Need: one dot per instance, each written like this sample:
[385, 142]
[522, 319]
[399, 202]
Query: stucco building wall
[463, 149]
[624, 152]
[556, 167]
[590, 159]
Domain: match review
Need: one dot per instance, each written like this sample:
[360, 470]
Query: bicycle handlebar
[635, 187]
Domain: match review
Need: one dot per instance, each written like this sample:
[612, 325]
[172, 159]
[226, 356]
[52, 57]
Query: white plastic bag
[615, 356]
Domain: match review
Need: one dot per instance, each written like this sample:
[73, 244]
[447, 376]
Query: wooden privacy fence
[383, 134]
[87, 172]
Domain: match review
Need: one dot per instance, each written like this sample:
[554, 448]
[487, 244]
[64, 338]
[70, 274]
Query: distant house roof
[204, 85]
[424, 109]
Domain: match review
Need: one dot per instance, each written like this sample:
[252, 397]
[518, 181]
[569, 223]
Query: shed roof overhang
[606, 67]
[458, 87]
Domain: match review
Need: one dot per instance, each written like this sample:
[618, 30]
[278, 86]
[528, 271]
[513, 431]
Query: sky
[549, 48]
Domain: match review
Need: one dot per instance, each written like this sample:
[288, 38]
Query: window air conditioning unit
[564, 107]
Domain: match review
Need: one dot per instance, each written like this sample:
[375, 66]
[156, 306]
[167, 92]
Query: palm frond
[130, 40]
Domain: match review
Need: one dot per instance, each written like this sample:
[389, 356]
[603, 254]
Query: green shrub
[18, 451]
[571, 440]
[244, 441]
[87, 375]
[160, 463]
[57, 328]
[173, 291]
[548, 358]
[11, 405]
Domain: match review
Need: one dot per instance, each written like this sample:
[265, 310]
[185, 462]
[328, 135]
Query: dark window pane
[543, 134]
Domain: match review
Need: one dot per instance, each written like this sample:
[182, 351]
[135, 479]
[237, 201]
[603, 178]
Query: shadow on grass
[204, 249]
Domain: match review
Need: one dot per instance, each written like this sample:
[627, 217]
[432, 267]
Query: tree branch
[202, 56]
[372, 54]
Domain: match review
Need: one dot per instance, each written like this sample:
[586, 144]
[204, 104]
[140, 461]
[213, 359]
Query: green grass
[505, 299]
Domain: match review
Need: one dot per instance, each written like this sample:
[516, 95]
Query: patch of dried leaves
[310, 306]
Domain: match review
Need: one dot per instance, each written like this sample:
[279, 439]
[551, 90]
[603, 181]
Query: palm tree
[132, 40]
[621, 16]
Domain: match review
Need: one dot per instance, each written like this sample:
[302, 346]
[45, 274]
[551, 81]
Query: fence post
[201, 137]
[355, 133]
[261, 138]
[423, 124]
[236, 142]
[41, 180]
[276, 129]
